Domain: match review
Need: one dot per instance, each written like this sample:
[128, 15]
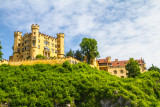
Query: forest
[79, 85]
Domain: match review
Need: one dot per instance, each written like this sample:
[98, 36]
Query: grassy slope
[79, 85]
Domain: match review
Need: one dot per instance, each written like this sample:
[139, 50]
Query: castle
[34, 43]
[27, 47]
[118, 67]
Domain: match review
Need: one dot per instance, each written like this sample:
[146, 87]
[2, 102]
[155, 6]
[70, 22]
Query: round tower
[60, 45]
[34, 41]
[16, 47]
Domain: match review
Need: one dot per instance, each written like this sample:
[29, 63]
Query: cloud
[122, 28]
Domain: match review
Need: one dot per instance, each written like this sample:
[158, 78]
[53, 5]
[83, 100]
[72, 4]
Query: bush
[40, 56]
[77, 84]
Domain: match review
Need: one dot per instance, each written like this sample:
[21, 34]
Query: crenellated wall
[51, 61]
[4, 62]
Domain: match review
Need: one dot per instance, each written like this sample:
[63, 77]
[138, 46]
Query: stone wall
[51, 61]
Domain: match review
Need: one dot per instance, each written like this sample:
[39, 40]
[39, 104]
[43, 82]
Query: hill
[78, 85]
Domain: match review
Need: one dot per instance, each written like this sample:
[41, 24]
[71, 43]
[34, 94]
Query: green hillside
[79, 85]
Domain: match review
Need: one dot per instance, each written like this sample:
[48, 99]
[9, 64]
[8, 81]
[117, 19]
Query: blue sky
[122, 28]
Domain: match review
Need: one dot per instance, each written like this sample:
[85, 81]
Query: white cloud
[123, 29]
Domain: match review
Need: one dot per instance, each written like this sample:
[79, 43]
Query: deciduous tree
[89, 48]
[154, 68]
[133, 68]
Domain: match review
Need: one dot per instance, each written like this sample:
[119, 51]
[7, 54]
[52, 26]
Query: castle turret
[60, 43]
[108, 59]
[34, 40]
[16, 47]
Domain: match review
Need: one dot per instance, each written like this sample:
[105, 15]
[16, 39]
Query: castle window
[52, 44]
[19, 44]
[25, 47]
[56, 46]
[34, 44]
[18, 50]
[34, 33]
[46, 43]
[28, 36]
[34, 37]
[17, 55]
[28, 41]
[38, 41]
[38, 46]
[25, 42]
[22, 44]
[55, 51]
[52, 50]
[121, 71]
[22, 56]
[23, 50]
[115, 72]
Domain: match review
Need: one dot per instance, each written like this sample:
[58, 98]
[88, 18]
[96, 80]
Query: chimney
[116, 60]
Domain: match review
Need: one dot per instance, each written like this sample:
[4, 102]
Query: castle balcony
[46, 52]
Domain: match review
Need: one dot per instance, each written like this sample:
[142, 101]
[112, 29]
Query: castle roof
[117, 63]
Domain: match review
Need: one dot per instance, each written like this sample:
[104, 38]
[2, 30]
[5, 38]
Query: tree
[154, 68]
[133, 68]
[78, 55]
[89, 48]
[1, 52]
[40, 56]
[70, 53]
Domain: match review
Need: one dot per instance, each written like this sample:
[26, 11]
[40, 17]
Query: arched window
[115, 72]
[122, 71]
[122, 76]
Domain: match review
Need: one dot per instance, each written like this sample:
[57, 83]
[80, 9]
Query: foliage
[70, 53]
[78, 84]
[78, 55]
[1, 52]
[89, 48]
[133, 68]
[40, 56]
[154, 68]
[28, 57]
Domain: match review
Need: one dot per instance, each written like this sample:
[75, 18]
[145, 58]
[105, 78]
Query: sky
[123, 29]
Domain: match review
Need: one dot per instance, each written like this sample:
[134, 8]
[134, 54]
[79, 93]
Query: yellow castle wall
[51, 61]
[118, 69]
[4, 62]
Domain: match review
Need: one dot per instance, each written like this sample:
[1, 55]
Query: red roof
[118, 63]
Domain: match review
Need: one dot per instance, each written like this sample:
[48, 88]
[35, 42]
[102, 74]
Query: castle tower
[108, 59]
[60, 43]
[34, 40]
[16, 47]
